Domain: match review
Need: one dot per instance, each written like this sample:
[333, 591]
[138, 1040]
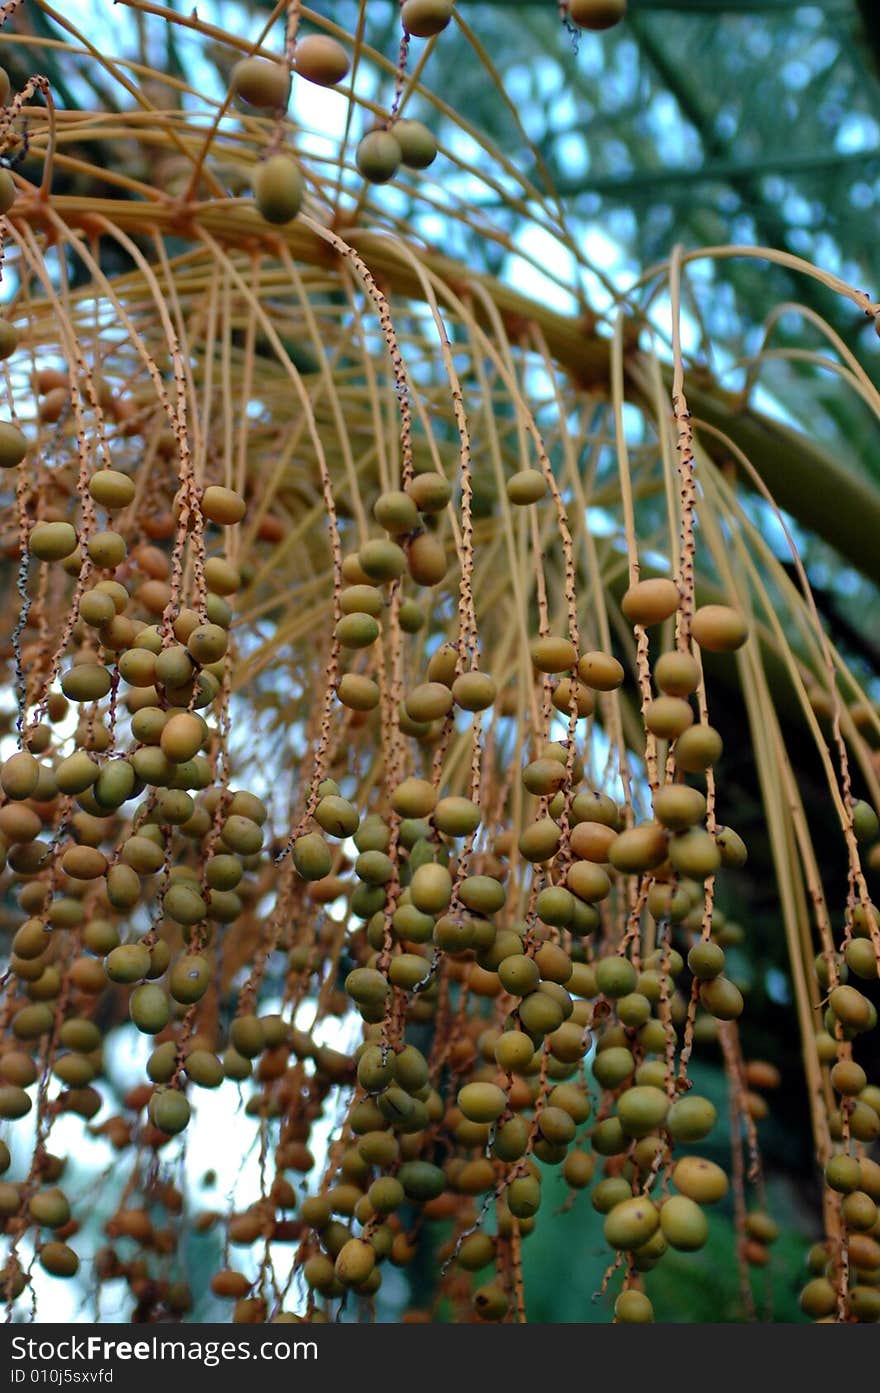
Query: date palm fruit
[600, 671]
[52, 541]
[649, 602]
[279, 187]
[631, 1223]
[683, 1223]
[640, 848]
[633, 1308]
[553, 654]
[418, 148]
[866, 824]
[474, 691]
[169, 1111]
[13, 445]
[321, 59]
[8, 191]
[19, 775]
[378, 157]
[111, 489]
[697, 748]
[425, 18]
[59, 1259]
[699, 1179]
[525, 487]
[677, 806]
[261, 82]
[719, 628]
[691, 1118]
[9, 335]
[722, 998]
[642, 1110]
[677, 673]
[667, 717]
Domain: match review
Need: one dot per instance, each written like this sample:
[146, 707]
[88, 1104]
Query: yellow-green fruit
[76, 773]
[130, 962]
[19, 775]
[667, 717]
[456, 817]
[850, 1007]
[149, 1008]
[519, 974]
[631, 1223]
[396, 512]
[553, 654]
[355, 1262]
[615, 976]
[207, 643]
[111, 489]
[356, 631]
[694, 853]
[312, 856]
[633, 1308]
[336, 816]
[691, 1118]
[13, 445]
[169, 1111]
[430, 492]
[414, 798]
[525, 487]
[474, 691]
[540, 841]
[190, 978]
[429, 701]
[683, 1223]
[613, 1066]
[514, 1051]
[571, 690]
[818, 1298]
[222, 505]
[491, 1302]
[52, 541]
[86, 682]
[482, 1102]
[107, 549]
[261, 82]
[719, 628]
[357, 692]
[697, 748]
[642, 1110]
[382, 560]
[678, 806]
[378, 158]
[706, 960]
[431, 888]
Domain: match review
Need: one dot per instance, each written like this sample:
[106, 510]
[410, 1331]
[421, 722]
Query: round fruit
[631, 1223]
[378, 159]
[596, 14]
[683, 1223]
[699, 1179]
[425, 18]
[262, 83]
[719, 628]
[278, 189]
[321, 60]
[633, 1308]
